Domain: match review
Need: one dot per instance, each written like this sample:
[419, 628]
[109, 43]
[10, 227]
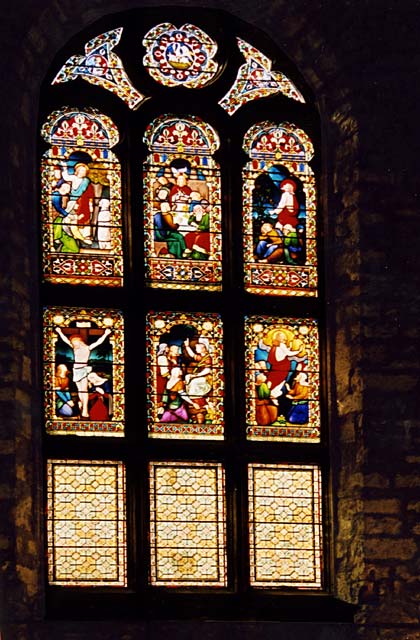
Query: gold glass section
[86, 523]
[285, 525]
[187, 524]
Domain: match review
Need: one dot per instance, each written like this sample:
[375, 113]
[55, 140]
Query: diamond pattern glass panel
[285, 525]
[187, 524]
[86, 523]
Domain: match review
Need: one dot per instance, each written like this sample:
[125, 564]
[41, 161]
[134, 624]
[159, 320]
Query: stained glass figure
[185, 382]
[282, 379]
[279, 212]
[180, 57]
[256, 80]
[81, 200]
[285, 525]
[83, 371]
[182, 205]
[102, 67]
[86, 523]
[187, 524]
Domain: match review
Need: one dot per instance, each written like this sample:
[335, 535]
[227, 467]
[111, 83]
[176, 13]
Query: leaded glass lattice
[102, 67]
[187, 524]
[279, 212]
[282, 379]
[84, 371]
[185, 379]
[180, 57]
[86, 523]
[81, 200]
[285, 525]
[182, 205]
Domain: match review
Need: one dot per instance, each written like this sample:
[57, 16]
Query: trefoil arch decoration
[102, 67]
[255, 80]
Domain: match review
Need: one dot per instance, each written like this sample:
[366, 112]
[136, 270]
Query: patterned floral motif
[180, 57]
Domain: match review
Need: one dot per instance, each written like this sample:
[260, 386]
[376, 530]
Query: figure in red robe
[288, 208]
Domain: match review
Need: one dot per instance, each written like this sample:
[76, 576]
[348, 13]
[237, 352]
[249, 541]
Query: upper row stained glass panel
[279, 211]
[82, 218]
[182, 205]
[81, 200]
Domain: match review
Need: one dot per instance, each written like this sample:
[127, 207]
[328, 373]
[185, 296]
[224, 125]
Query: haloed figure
[81, 369]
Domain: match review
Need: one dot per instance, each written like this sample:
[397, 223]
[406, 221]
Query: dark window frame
[238, 600]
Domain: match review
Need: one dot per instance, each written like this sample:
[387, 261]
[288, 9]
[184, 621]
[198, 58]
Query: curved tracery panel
[102, 67]
[279, 209]
[81, 200]
[182, 205]
[255, 79]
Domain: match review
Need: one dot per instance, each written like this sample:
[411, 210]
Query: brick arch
[292, 26]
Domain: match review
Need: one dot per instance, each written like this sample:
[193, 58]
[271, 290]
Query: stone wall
[362, 61]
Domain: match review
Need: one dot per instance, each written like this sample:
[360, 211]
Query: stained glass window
[181, 327]
[83, 371]
[86, 523]
[185, 375]
[81, 200]
[182, 202]
[176, 57]
[187, 524]
[102, 67]
[285, 525]
[282, 379]
[279, 203]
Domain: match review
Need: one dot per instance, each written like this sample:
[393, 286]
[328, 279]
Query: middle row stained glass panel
[84, 375]
[185, 385]
[282, 379]
[84, 371]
